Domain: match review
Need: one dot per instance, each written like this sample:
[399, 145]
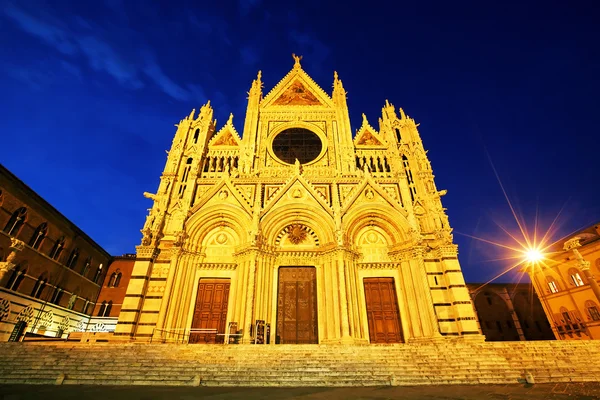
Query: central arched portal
[297, 306]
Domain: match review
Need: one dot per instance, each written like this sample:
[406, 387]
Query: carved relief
[297, 94]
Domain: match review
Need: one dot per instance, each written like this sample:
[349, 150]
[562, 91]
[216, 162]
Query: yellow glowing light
[534, 255]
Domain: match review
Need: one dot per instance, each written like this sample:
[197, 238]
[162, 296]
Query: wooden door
[382, 310]
[297, 305]
[211, 310]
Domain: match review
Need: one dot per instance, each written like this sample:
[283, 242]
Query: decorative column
[16, 246]
[584, 266]
[249, 298]
[341, 274]
[424, 298]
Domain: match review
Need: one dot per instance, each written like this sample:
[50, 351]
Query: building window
[409, 178]
[16, 221]
[38, 236]
[105, 309]
[196, 134]
[39, 287]
[58, 247]
[73, 257]
[16, 278]
[86, 266]
[499, 325]
[115, 279]
[86, 306]
[592, 310]
[594, 313]
[552, 284]
[57, 296]
[98, 275]
[575, 277]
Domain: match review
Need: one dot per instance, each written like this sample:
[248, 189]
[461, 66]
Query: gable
[297, 95]
[370, 192]
[298, 191]
[225, 139]
[297, 89]
[368, 139]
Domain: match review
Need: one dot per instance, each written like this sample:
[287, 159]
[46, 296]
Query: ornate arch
[315, 220]
[389, 221]
[201, 223]
[297, 232]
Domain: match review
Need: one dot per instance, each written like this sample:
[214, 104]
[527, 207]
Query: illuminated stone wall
[298, 189]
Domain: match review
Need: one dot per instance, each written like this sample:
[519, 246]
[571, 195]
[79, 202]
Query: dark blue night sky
[91, 91]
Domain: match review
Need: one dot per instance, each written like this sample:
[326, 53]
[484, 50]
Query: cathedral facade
[324, 237]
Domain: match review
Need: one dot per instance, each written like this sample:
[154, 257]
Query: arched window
[86, 266]
[16, 221]
[409, 178]
[552, 285]
[57, 296]
[398, 136]
[86, 306]
[111, 281]
[38, 236]
[196, 135]
[108, 309]
[73, 257]
[592, 310]
[575, 277]
[58, 247]
[98, 274]
[39, 287]
[118, 279]
[16, 278]
[102, 309]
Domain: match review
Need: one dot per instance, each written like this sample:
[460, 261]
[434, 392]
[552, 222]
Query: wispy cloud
[85, 39]
[166, 84]
[51, 34]
[103, 57]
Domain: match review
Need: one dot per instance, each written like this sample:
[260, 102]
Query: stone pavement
[453, 392]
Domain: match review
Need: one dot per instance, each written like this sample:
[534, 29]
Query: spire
[257, 85]
[388, 111]
[339, 94]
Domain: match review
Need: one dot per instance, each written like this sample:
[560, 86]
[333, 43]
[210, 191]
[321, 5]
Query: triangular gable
[297, 89]
[227, 136]
[375, 190]
[298, 182]
[222, 193]
[367, 136]
[297, 95]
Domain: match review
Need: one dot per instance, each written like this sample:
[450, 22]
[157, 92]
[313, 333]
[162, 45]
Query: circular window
[297, 144]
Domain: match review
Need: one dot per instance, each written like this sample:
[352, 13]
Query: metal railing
[186, 335]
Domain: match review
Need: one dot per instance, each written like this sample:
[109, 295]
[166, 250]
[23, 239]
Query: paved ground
[454, 392]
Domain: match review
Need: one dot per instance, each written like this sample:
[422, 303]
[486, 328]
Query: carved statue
[15, 247]
[149, 195]
[296, 60]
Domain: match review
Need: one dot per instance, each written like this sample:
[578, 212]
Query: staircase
[449, 361]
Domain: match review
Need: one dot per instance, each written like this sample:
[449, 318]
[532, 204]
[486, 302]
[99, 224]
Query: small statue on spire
[335, 76]
[259, 76]
[296, 60]
[230, 120]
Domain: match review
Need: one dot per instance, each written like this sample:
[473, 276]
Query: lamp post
[584, 266]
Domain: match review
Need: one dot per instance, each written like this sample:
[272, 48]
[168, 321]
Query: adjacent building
[510, 311]
[50, 271]
[296, 225]
[567, 284]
